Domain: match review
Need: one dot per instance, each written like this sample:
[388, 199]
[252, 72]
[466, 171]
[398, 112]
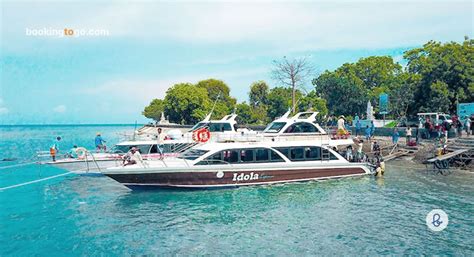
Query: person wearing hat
[132, 157]
[100, 143]
[341, 128]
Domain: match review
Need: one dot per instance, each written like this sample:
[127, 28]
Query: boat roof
[217, 146]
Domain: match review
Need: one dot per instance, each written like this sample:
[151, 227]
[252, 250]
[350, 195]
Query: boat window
[284, 151]
[275, 127]
[262, 155]
[219, 127]
[154, 149]
[199, 125]
[121, 148]
[246, 155]
[231, 156]
[312, 153]
[302, 127]
[297, 153]
[144, 149]
[275, 157]
[306, 153]
[192, 154]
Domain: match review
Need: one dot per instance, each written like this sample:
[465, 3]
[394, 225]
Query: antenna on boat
[208, 116]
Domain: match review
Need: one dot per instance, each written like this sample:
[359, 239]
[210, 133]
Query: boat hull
[232, 178]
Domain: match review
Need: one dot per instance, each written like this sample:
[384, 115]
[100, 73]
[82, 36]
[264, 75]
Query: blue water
[93, 215]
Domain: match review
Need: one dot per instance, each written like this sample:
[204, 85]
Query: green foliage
[186, 103]
[258, 94]
[447, 74]
[402, 96]
[391, 124]
[341, 96]
[279, 100]
[348, 88]
[154, 110]
[436, 77]
[312, 101]
[214, 87]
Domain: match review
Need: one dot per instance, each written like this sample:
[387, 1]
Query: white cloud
[294, 25]
[60, 109]
[285, 25]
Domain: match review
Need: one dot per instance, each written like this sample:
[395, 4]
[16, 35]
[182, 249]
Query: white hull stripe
[243, 184]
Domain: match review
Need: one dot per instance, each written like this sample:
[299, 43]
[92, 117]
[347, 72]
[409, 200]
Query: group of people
[460, 126]
[75, 151]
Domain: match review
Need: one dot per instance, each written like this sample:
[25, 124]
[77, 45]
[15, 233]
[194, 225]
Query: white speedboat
[175, 142]
[301, 126]
[239, 164]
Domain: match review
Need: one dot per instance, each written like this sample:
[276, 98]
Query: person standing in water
[100, 143]
[54, 148]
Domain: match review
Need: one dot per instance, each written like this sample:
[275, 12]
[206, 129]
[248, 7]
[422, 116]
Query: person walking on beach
[408, 135]
[358, 126]
[428, 127]
[367, 132]
[372, 129]
[54, 148]
[100, 143]
[395, 136]
[459, 127]
[467, 125]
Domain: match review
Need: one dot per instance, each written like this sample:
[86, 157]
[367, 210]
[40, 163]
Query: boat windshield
[199, 125]
[274, 127]
[213, 126]
[192, 154]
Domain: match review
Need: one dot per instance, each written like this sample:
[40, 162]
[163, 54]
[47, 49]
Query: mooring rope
[35, 181]
[17, 165]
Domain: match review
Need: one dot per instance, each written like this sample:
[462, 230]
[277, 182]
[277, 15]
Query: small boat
[216, 164]
[174, 144]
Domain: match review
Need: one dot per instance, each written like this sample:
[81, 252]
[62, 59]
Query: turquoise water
[93, 215]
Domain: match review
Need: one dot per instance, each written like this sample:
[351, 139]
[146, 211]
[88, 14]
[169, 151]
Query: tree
[292, 73]
[244, 113]
[443, 67]
[438, 98]
[341, 96]
[258, 94]
[402, 96]
[279, 100]
[154, 109]
[186, 103]
[312, 101]
[225, 104]
[349, 87]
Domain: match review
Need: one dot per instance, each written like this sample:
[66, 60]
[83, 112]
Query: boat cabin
[302, 123]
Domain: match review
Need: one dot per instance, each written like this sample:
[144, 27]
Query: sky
[123, 54]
